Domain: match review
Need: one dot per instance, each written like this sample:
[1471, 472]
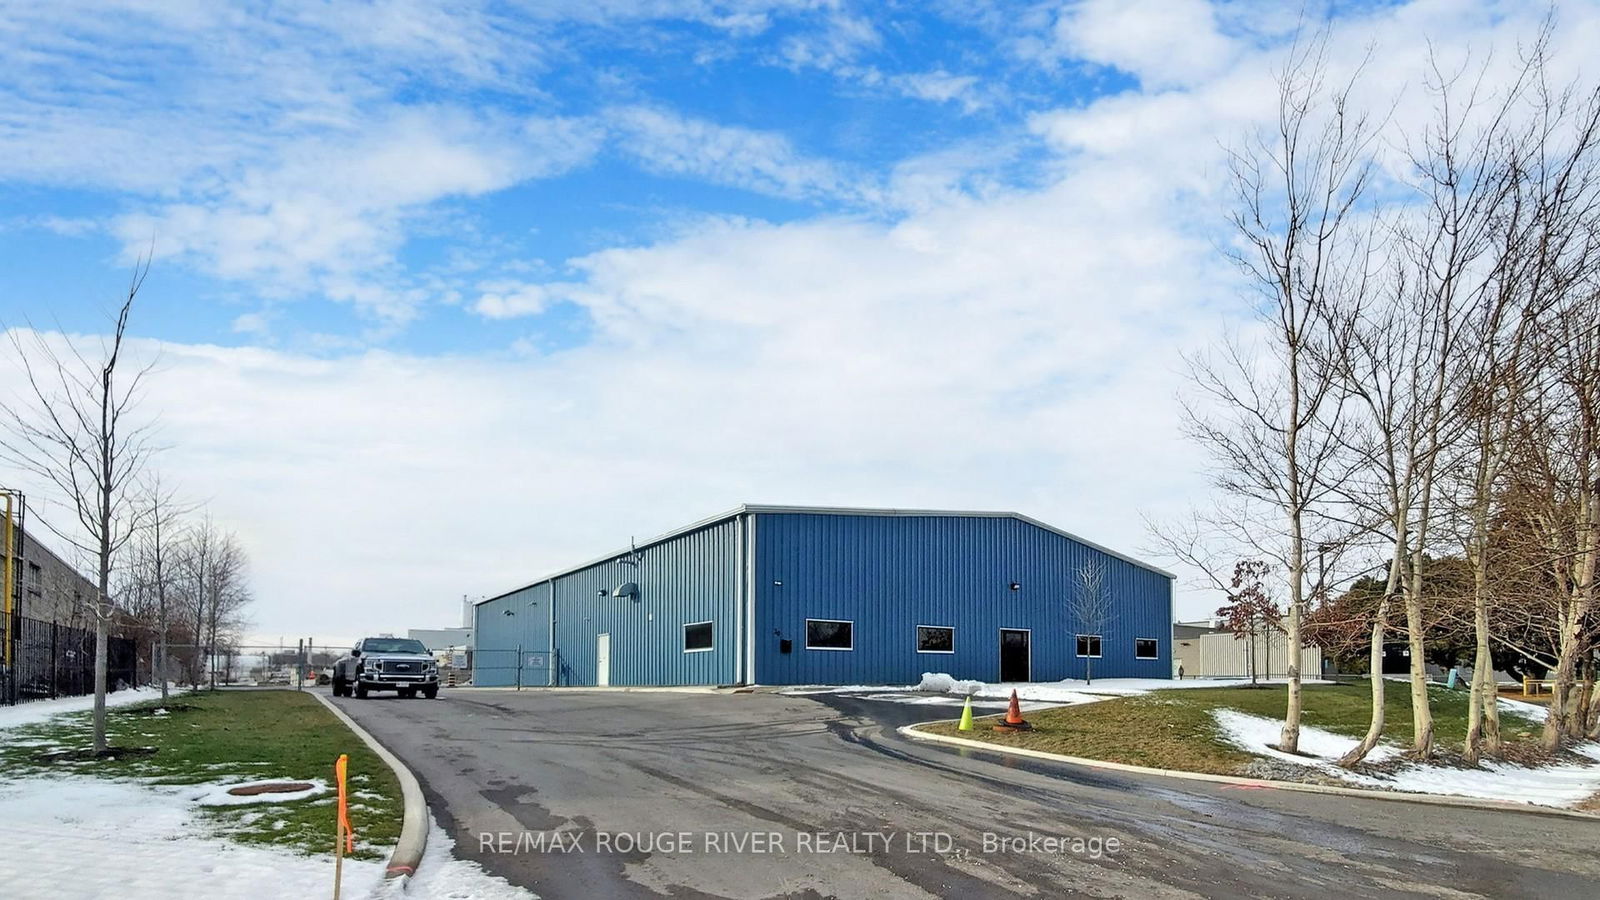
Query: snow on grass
[1533, 712]
[36, 711]
[81, 837]
[1563, 785]
[1259, 735]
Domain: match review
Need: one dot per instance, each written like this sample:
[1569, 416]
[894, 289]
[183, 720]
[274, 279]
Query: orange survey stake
[345, 831]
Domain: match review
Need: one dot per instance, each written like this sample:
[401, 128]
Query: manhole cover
[276, 787]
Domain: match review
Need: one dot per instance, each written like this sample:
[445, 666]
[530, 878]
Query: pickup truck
[386, 664]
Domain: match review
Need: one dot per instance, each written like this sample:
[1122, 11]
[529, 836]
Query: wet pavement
[748, 795]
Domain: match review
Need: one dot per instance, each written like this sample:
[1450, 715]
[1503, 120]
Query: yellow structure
[8, 552]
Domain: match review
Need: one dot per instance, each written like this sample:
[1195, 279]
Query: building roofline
[772, 509]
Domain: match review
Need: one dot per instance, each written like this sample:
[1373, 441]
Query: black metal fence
[52, 660]
[519, 667]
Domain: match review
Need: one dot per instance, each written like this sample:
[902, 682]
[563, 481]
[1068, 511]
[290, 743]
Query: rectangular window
[829, 634]
[1089, 645]
[936, 639]
[1145, 648]
[697, 637]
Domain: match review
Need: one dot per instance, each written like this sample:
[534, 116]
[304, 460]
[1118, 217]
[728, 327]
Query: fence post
[519, 667]
[55, 675]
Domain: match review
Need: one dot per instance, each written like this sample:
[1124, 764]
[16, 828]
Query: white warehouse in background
[1204, 650]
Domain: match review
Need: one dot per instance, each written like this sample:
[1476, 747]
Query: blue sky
[817, 104]
[445, 296]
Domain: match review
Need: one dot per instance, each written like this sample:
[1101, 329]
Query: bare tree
[1272, 415]
[1092, 609]
[161, 521]
[75, 430]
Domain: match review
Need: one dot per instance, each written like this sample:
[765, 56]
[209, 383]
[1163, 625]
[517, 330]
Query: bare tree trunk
[1380, 625]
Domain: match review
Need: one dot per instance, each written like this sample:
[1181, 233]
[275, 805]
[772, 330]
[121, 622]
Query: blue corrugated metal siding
[499, 636]
[691, 578]
[889, 574]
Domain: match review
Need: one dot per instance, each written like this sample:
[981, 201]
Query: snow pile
[36, 711]
[1566, 784]
[940, 683]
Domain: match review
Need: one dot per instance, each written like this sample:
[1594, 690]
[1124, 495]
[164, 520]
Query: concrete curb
[407, 853]
[912, 732]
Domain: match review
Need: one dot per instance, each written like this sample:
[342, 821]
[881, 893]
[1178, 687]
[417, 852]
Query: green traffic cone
[966, 716]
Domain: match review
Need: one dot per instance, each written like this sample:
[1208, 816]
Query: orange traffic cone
[1013, 720]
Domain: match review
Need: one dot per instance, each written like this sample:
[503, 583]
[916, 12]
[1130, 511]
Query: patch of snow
[71, 837]
[1533, 712]
[1258, 735]
[36, 711]
[1563, 785]
[82, 837]
[217, 794]
[440, 876]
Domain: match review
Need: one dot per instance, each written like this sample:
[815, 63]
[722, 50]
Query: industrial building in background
[47, 631]
[451, 647]
[819, 595]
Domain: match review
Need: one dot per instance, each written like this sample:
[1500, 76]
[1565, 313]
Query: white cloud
[739, 157]
[940, 86]
[508, 300]
[330, 213]
[1163, 42]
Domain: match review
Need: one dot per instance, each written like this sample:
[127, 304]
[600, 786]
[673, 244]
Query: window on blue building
[936, 639]
[1145, 648]
[1089, 645]
[696, 637]
[829, 634]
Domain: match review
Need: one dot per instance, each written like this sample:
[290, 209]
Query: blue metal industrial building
[812, 595]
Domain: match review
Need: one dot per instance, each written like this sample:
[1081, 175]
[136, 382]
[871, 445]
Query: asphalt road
[763, 795]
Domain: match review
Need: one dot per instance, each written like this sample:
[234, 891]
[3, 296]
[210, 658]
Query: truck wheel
[361, 692]
[431, 691]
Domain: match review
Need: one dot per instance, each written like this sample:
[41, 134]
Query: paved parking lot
[766, 795]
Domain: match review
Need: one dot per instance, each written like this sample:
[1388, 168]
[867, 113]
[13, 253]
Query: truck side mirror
[355, 653]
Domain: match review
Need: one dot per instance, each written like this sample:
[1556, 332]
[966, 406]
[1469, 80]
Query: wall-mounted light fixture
[1016, 586]
[630, 589]
[510, 612]
[778, 583]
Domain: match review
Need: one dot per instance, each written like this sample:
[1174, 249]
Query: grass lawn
[1174, 729]
[231, 736]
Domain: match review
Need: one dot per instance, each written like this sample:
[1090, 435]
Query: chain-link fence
[53, 660]
[517, 667]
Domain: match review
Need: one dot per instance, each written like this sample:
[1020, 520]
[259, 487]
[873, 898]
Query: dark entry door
[1014, 660]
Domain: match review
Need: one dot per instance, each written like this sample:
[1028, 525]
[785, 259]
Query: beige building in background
[1202, 650]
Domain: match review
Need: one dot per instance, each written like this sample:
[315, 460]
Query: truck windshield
[392, 645]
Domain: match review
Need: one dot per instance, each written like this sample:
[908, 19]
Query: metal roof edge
[607, 557]
[961, 513]
[775, 509]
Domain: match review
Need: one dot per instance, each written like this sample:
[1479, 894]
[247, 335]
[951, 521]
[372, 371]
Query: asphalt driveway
[654, 794]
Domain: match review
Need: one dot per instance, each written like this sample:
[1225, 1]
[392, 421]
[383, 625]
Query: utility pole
[300, 664]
